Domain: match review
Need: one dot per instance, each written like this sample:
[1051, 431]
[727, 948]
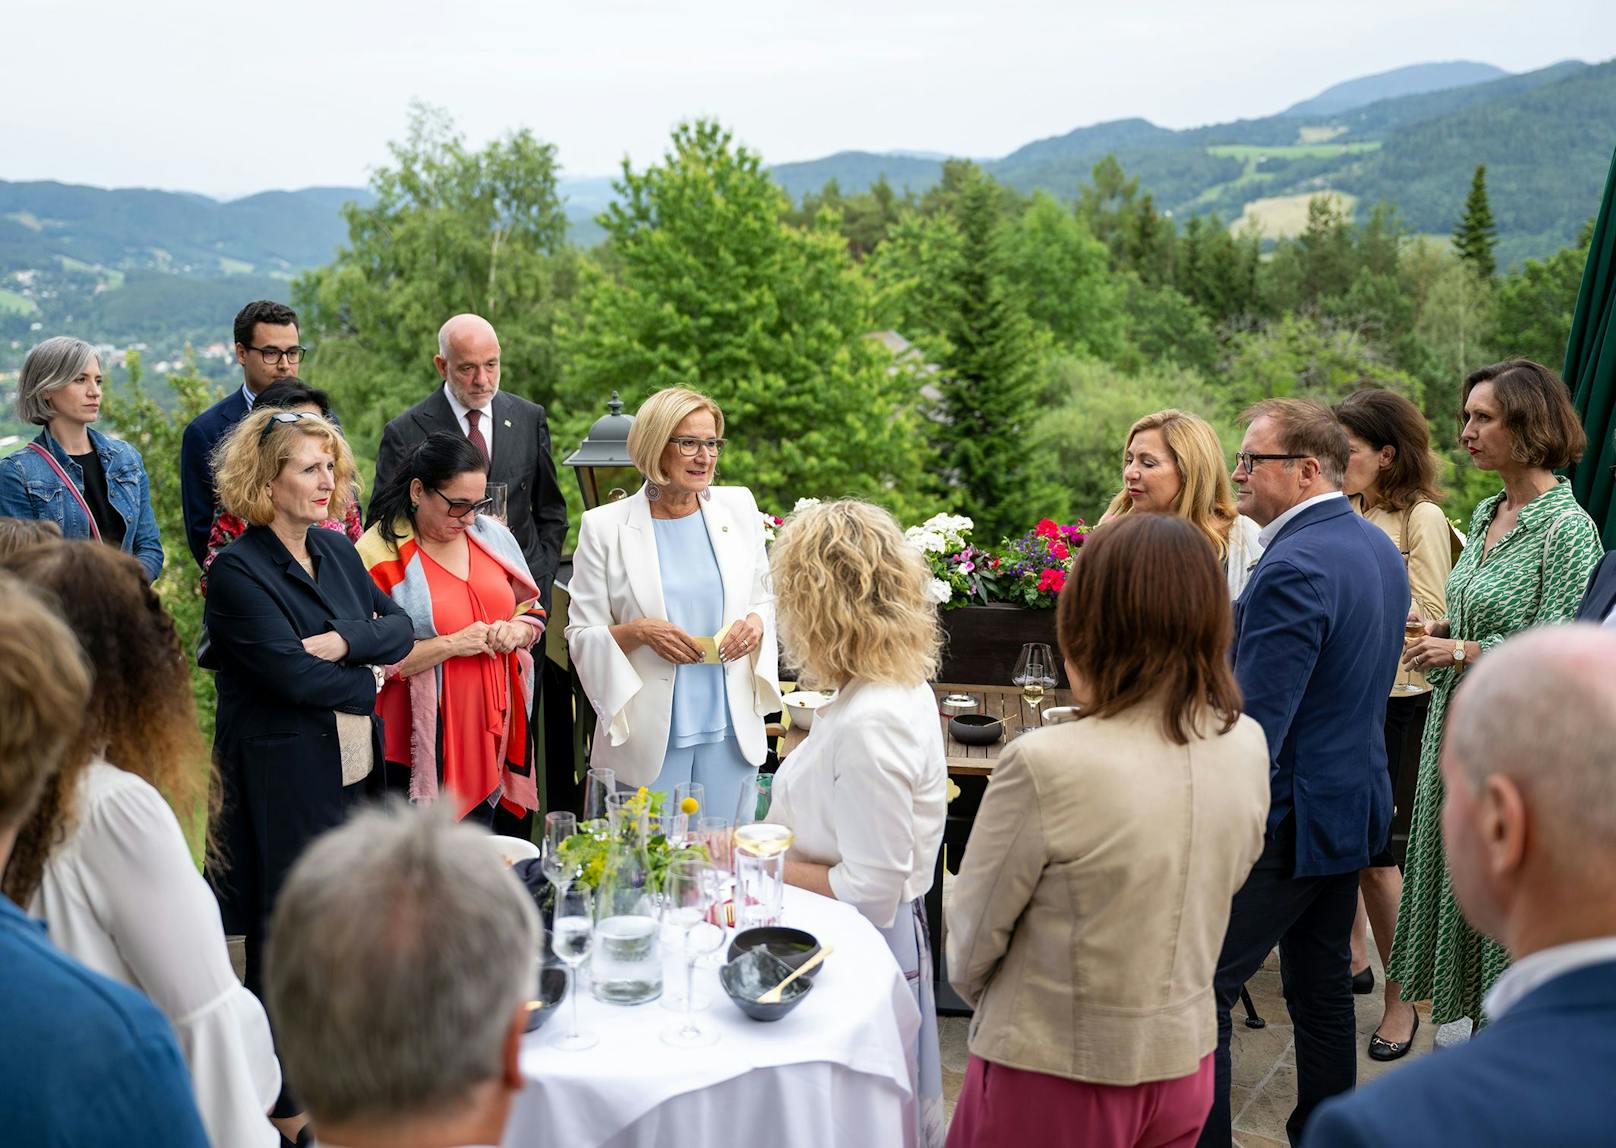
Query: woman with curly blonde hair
[1173, 464]
[104, 861]
[865, 793]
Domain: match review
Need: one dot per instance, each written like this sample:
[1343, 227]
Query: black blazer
[1600, 596]
[535, 510]
[196, 467]
[276, 738]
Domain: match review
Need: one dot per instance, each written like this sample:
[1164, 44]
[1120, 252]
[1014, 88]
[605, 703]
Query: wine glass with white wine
[1034, 673]
[1413, 631]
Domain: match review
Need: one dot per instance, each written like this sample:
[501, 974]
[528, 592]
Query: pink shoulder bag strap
[72, 487]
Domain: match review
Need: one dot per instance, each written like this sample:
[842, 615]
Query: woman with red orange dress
[457, 710]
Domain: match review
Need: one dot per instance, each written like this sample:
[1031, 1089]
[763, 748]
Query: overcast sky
[230, 98]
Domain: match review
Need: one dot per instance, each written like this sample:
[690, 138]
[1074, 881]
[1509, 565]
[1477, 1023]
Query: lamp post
[602, 460]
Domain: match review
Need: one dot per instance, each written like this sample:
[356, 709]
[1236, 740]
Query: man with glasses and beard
[267, 349]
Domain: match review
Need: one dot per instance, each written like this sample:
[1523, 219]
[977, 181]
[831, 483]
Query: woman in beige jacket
[1092, 901]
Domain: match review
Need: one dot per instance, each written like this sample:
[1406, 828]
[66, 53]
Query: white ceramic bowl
[801, 704]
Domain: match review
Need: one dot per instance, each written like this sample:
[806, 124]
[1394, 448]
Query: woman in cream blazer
[1092, 901]
[654, 575]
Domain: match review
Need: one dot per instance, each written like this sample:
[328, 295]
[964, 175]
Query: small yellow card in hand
[709, 647]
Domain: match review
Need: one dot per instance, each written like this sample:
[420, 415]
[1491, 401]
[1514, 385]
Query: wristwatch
[380, 675]
[1459, 652]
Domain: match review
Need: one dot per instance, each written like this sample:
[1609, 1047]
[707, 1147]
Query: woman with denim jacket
[89, 485]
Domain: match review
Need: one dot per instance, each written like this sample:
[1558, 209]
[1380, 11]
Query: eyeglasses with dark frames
[1249, 461]
[690, 447]
[460, 508]
[283, 418]
[273, 355]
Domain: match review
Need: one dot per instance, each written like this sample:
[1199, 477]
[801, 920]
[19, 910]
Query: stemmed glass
[691, 889]
[717, 836]
[757, 794]
[688, 791]
[1413, 631]
[557, 828]
[1034, 673]
[571, 937]
[599, 784]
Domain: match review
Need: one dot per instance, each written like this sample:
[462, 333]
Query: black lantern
[606, 473]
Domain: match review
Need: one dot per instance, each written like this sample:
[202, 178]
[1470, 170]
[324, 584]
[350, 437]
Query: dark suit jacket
[1544, 1074]
[535, 511]
[1600, 596]
[196, 468]
[1318, 632]
[276, 736]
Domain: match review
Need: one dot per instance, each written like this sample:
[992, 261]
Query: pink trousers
[1002, 1107]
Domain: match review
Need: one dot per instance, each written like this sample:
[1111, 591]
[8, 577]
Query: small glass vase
[626, 966]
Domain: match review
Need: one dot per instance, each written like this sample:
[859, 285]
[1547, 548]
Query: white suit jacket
[616, 578]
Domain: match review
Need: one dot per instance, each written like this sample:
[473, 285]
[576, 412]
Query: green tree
[1476, 238]
[451, 230]
[988, 385]
[1063, 276]
[1303, 357]
[703, 283]
[1536, 301]
[916, 275]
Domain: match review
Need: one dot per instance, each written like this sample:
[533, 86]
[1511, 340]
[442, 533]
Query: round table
[839, 1069]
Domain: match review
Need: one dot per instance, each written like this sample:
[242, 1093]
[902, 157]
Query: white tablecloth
[838, 1070]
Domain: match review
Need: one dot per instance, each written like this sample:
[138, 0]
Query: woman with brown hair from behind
[103, 858]
[1095, 891]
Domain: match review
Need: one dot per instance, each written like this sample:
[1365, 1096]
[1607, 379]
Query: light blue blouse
[693, 591]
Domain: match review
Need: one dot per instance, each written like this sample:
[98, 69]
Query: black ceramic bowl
[551, 989]
[754, 973]
[976, 729]
[792, 946]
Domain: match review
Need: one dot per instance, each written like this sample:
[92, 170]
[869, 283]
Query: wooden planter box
[983, 642]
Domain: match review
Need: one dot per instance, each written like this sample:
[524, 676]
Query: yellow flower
[688, 805]
[641, 791]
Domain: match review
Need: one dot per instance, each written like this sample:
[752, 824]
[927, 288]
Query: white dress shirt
[1242, 555]
[123, 896]
[484, 424]
[866, 794]
[1265, 537]
[1533, 972]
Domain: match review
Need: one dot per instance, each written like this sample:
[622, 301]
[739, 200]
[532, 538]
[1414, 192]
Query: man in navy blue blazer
[1318, 632]
[1529, 826]
[1599, 599]
[267, 349]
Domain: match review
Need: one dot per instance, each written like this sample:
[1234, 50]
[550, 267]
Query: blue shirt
[84, 1061]
[693, 591]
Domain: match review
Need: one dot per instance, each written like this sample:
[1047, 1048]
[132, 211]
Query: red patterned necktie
[475, 434]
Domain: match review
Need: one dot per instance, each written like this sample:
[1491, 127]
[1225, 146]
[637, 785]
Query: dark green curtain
[1590, 368]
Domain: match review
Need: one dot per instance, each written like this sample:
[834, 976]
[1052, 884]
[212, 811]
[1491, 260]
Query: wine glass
[690, 889]
[1034, 673]
[557, 828]
[1413, 631]
[497, 495]
[598, 785]
[757, 794]
[690, 791]
[571, 937]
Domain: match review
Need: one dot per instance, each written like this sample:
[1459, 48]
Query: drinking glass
[1413, 631]
[496, 496]
[598, 785]
[1034, 673]
[571, 937]
[714, 834]
[760, 869]
[557, 828]
[757, 793]
[690, 791]
[690, 894]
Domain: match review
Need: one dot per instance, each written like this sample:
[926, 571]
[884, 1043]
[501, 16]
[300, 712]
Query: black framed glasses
[459, 507]
[273, 355]
[1249, 461]
[283, 418]
[690, 447]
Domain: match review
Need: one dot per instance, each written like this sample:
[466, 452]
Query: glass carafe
[626, 966]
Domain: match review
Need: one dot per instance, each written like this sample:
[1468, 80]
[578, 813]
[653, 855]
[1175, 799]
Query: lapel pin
[724, 529]
[507, 422]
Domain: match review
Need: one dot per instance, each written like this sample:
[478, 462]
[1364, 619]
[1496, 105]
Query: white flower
[768, 526]
[804, 504]
[939, 591]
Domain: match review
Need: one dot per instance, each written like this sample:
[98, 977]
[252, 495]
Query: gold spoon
[773, 995]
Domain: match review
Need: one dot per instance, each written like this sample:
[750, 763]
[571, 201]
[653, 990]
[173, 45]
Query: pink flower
[1047, 528]
[1059, 550]
[1052, 580]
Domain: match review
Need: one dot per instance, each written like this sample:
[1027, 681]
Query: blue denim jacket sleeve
[13, 490]
[147, 544]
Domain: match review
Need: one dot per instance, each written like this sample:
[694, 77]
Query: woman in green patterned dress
[1525, 563]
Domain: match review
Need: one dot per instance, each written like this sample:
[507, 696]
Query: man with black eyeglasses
[267, 348]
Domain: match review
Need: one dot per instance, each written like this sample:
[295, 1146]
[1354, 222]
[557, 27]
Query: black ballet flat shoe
[1380, 1049]
[1363, 983]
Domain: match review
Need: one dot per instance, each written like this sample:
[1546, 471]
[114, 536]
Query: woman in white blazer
[664, 582]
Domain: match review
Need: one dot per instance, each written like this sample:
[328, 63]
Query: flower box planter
[983, 642]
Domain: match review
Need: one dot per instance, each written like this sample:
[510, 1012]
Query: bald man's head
[468, 360]
[1529, 762]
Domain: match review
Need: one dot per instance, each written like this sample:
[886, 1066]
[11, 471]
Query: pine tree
[1476, 237]
[988, 382]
